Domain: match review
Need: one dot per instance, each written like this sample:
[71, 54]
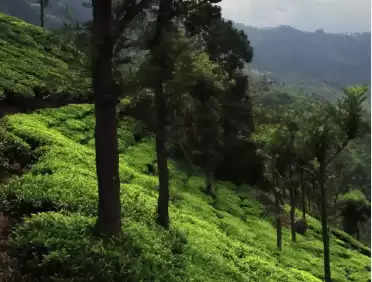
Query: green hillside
[37, 65]
[229, 239]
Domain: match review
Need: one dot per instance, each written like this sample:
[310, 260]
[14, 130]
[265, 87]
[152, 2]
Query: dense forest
[145, 141]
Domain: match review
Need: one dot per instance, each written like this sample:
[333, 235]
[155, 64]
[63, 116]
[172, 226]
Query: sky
[335, 16]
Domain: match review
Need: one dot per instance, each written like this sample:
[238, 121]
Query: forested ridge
[205, 173]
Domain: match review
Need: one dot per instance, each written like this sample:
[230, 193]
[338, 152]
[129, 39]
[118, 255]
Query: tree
[271, 141]
[355, 209]
[107, 158]
[105, 34]
[200, 85]
[231, 49]
[281, 145]
[160, 60]
[329, 130]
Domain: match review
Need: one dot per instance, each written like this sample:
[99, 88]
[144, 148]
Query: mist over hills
[296, 56]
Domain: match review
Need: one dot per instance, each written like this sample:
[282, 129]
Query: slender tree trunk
[313, 190]
[162, 158]
[324, 220]
[292, 212]
[42, 6]
[210, 183]
[107, 158]
[279, 231]
[278, 213]
[162, 25]
[278, 222]
[283, 191]
[357, 231]
[303, 191]
[292, 199]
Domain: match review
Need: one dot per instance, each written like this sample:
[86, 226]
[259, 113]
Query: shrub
[55, 247]
[15, 154]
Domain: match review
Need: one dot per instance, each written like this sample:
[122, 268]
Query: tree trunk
[324, 220]
[42, 6]
[163, 24]
[161, 151]
[278, 222]
[310, 195]
[279, 232]
[303, 191]
[278, 212]
[210, 184]
[107, 158]
[292, 203]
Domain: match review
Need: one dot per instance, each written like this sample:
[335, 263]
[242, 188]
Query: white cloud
[331, 15]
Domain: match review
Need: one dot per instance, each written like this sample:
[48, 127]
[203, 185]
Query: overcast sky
[336, 16]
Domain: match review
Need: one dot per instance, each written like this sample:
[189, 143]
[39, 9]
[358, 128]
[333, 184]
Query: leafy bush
[15, 154]
[54, 247]
[355, 208]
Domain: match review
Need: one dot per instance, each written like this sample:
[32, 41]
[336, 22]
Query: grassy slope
[226, 240]
[36, 64]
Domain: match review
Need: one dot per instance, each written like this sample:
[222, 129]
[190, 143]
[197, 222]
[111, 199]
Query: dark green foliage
[231, 49]
[15, 154]
[355, 208]
[228, 45]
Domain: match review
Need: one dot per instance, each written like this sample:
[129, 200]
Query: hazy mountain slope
[293, 55]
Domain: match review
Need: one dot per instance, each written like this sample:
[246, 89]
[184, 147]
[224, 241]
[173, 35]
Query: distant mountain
[292, 55]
